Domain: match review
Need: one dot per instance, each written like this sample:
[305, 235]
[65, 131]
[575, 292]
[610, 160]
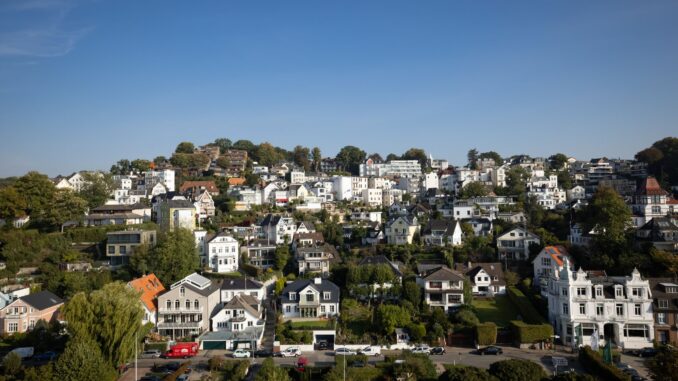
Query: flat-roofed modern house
[121, 244]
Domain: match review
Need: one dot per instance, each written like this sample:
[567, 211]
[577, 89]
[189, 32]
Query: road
[460, 356]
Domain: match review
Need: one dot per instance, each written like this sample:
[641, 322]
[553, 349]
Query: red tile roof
[558, 253]
[209, 185]
[236, 181]
[150, 287]
[650, 187]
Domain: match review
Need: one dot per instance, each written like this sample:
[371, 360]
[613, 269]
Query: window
[599, 310]
[566, 309]
[196, 304]
[326, 295]
[435, 284]
[638, 309]
[636, 330]
[111, 249]
[663, 303]
[637, 292]
[587, 329]
[564, 291]
[620, 309]
[582, 308]
[293, 296]
[123, 250]
[581, 291]
[177, 304]
[309, 296]
[169, 304]
[31, 324]
[322, 309]
[546, 261]
[599, 292]
[332, 308]
[13, 327]
[661, 318]
[287, 308]
[671, 290]
[188, 304]
[182, 291]
[618, 292]
[656, 210]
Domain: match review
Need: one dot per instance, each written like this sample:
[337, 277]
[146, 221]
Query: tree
[11, 364]
[472, 157]
[66, 206]
[223, 162]
[269, 371]
[389, 317]
[266, 154]
[516, 182]
[316, 157]
[141, 165]
[412, 293]
[282, 255]
[122, 167]
[661, 159]
[417, 331]
[465, 373]
[38, 193]
[664, 366]
[609, 215]
[349, 159]
[82, 360]
[466, 317]
[557, 161]
[141, 260]
[110, 317]
[517, 370]
[668, 261]
[175, 256]
[492, 155]
[534, 212]
[392, 156]
[572, 377]
[244, 145]
[96, 189]
[40, 373]
[223, 144]
[473, 189]
[301, 157]
[159, 160]
[12, 205]
[185, 147]
[376, 158]
[416, 154]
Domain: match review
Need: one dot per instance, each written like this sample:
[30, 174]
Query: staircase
[269, 330]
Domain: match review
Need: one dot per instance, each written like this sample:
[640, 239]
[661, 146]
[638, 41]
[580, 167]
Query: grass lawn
[311, 324]
[499, 310]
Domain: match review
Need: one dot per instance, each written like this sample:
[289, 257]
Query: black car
[491, 350]
[263, 353]
[358, 364]
[322, 346]
[644, 352]
[438, 351]
[150, 378]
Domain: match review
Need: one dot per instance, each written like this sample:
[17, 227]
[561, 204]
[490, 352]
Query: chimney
[317, 280]
[469, 264]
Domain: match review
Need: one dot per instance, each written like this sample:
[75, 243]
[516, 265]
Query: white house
[543, 264]
[242, 286]
[372, 197]
[442, 233]
[618, 309]
[443, 288]
[306, 298]
[577, 192]
[277, 228]
[486, 279]
[222, 251]
[239, 323]
[515, 244]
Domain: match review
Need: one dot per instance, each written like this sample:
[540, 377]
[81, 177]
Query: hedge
[594, 364]
[525, 307]
[486, 334]
[530, 333]
[535, 297]
[251, 270]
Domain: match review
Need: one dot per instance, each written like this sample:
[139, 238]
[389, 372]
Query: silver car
[152, 354]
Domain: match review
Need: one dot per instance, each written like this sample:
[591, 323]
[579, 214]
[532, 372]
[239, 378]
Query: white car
[421, 350]
[291, 352]
[370, 351]
[241, 353]
[344, 352]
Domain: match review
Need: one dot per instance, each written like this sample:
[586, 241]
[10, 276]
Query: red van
[182, 350]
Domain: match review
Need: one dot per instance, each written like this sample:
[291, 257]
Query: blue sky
[85, 83]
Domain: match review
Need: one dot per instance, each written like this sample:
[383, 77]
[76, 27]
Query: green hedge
[539, 302]
[525, 307]
[486, 334]
[530, 333]
[251, 270]
[594, 364]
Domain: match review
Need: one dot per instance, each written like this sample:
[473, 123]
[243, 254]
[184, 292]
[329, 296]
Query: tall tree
[301, 157]
[12, 205]
[492, 155]
[392, 156]
[282, 255]
[223, 144]
[317, 158]
[664, 366]
[82, 361]
[141, 165]
[416, 154]
[350, 158]
[96, 189]
[557, 161]
[266, 154]
[185, 147]
[662, 160]
[122, 167]
[244, 145]
[175, 256]
[111, 317]
[472, 157]
[473, 189]
[223, 162]
[38, 191]
[608, 214]
[66, 206]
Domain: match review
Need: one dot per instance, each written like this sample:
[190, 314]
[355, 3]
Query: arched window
[169, 304]
[196, 304]
[188, 304]
[177, 304]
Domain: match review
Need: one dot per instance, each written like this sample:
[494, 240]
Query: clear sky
[85, 83]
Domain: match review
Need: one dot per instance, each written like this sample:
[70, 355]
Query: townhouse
[149, 287]
[222, 253]
[665, 309]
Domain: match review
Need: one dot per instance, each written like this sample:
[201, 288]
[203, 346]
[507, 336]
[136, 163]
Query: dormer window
[326, 295]
[599, 292]
[618, 292]
[293, 296]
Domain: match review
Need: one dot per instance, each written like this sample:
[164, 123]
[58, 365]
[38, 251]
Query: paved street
[464, 356]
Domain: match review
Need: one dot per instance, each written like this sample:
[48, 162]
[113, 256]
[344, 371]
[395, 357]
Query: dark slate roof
[270, 219]
[42, 300]
[205, 291]
[494, 269]
[298, 285]
[441, 225]
[444, 274]
[659, 288]
[380, 260]
[245, 302]
[240, 284]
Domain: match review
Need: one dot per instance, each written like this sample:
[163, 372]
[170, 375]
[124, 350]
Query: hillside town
[235, 260]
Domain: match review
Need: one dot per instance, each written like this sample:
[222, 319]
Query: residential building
[164, 177]
[662, 232]
[260, 253]
[380, 260]
[443, 288]
[242, 286]
[310, 298]
[649, 201]
[223, 253]
[543, 264]
[515, 244]
[186, 308]
[116, 214]
[577, 192]
[240, 322]
[619, 309]
[149, 286]
[237, 160]
[315, 259]
[486, 279]
[665, 308]
[579, 236]
[401, 230]
[193, 188]
[176, 214]
[120, 245]
[372, 197]
[482, 227]
[442, 233]
[23, 313]
[278, 228]
[393, 168]
[12, 292]
[328, 165]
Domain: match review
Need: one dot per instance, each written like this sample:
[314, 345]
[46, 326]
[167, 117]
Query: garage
[327, 337]
[216, 344]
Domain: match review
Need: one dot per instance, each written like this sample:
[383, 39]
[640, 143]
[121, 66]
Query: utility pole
[136, 355]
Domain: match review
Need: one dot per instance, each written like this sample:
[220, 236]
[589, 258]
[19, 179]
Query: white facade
[342, 187]
[430, 181]
[576, 193]
[619, 309]
[395, 168]
[543, 265]
[297, 177]
[165, 177]
[515, 244]
[372, 197]
[222, 252]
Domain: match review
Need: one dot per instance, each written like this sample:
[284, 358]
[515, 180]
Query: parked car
[24, 352]
[150, 378]
[491, 350]
[183, 377]
[344, 352]
[263, 353]
[291, 352]
[322, 345]
[47, 356]
[421, 350]
[371, 350]
[645, 352]
[241, 354]
[438, 351]
[152, 354]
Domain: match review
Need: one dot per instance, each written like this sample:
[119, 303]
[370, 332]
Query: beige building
[187, 307]
[121, 244]
[22, 314]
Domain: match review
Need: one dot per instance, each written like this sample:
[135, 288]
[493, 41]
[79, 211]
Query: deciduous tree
[96, 189]
[269, 371]
[38, 191]
[302, 157]
[317, 158]
[350, 158]
[175, 256]
[185, 147]
[82, 361]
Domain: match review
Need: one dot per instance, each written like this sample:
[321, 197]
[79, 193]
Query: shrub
[517, 370]
[525, 307]
[466, 317]
[215, 363]
[531, 333]
[465, 373]
[594, 364]
[251, 270]
[486, 334]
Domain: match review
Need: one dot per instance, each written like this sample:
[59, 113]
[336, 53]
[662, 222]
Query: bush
[594, 364]
[517, 370]
[215, 363]
[466, 317]
[251, 270]
[486, 334]
[182, 370]
[525, 307]
[465, 373]
[531, 333]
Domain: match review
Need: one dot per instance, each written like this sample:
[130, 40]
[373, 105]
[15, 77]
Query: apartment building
[120, 245]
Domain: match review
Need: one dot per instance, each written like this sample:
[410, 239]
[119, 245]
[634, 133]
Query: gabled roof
[196, 280]
[298, 285]
[493, 269]
[444, 273]
[557, 253]
[150, 287]
[42, 300]
[410, 220]
[380, 260]
[314, 236]
[240, 284]
[236, 181]
[650, 187]
[208, 185]
[245, 302]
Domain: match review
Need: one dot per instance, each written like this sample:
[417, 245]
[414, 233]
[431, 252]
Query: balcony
[180, 325]
[184, 310]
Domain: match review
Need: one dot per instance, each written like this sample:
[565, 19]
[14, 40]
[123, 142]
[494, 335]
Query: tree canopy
[174, 257]
[350, 158]
[416, 154]
[662, 160]
[473, 189]
[185, 147]
[83, 361]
